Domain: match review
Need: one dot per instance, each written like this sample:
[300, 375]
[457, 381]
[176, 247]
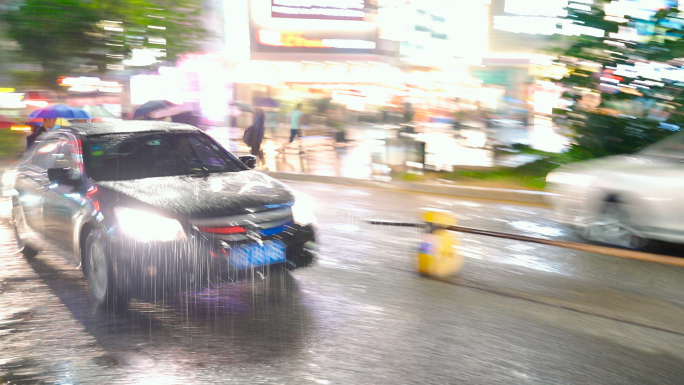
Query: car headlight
[8, 179]
[303, 210]
[148, 227]
[570, 179]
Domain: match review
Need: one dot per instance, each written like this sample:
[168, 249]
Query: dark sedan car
[154, 205]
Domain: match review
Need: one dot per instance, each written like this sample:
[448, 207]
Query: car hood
[216, 195]
[631, 163]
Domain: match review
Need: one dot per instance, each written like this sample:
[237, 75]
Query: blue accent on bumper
[280, 206]
[275, 230]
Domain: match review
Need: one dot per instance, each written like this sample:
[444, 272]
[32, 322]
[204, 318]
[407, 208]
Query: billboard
[319, 9]
[311, 26]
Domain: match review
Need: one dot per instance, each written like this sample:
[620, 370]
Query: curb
[517, 196]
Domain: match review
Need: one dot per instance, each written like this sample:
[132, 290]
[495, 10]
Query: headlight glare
[303, 210]
[145, 226]
[566, 178]
[8, 178]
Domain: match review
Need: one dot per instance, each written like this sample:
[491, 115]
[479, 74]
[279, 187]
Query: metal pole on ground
[615, 252]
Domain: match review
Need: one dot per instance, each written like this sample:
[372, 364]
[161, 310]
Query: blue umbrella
[60, 111]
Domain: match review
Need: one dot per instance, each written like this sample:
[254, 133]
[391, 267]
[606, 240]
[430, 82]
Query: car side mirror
[61, 176]
[249, 160]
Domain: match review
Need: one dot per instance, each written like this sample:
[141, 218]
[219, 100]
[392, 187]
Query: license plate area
[253, 255]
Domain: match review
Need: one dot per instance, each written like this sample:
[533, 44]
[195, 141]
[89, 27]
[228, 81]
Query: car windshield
[670, 146]
[136, 156]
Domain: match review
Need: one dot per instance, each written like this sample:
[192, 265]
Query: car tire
[300, 256]
[613, 227]
[28, 252]
[98, 268]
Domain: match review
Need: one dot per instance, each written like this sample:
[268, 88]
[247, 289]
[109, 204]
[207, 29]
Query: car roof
[128, 127]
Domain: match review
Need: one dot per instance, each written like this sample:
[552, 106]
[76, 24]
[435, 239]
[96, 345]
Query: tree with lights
[622, 77]
[100, 35]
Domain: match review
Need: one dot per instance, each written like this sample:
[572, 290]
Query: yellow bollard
[437, 256]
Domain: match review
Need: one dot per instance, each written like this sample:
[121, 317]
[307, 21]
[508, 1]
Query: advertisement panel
[319, 9]
[308, 26]
[439, 31]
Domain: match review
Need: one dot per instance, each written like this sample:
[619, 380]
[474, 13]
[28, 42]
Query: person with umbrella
[48, 124]
[50, 116]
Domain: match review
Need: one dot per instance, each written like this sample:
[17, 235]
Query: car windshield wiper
[203, 172]
[200, 172]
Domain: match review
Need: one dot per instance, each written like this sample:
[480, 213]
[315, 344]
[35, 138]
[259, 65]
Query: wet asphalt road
[516, 314]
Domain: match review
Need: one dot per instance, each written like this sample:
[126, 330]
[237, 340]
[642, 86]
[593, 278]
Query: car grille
[233, 228]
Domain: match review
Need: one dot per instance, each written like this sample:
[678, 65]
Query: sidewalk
[322, 160]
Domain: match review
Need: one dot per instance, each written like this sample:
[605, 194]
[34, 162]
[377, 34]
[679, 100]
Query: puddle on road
[537, 229]
[20, 371]
[531, 262]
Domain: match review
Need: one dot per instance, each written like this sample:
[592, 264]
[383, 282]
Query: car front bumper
[200, 260]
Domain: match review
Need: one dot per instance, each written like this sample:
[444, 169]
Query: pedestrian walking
[295, 123]
[48, 124]
[256, 137]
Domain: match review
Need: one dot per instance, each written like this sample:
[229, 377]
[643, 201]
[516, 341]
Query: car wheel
[613, 227]
[28, 252]
[300, 256]
[98, 269]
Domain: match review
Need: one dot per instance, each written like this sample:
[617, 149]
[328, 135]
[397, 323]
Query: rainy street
[516, 313]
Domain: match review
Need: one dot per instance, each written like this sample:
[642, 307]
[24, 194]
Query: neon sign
[294, 39]
[90, 84]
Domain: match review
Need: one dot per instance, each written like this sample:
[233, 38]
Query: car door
[63, 204]
[31, 183]
[658, 187]
[659, 192]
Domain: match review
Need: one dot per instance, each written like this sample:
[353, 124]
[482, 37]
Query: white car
[625, 200]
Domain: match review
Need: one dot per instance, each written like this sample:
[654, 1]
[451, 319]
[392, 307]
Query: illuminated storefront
[299, 50]
[294, 45]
